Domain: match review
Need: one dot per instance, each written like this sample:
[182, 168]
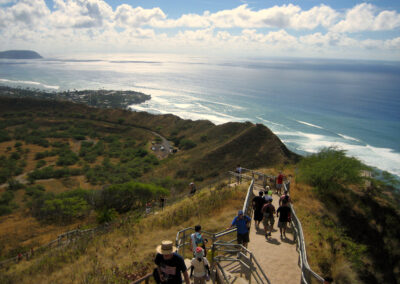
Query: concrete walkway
[278, 257]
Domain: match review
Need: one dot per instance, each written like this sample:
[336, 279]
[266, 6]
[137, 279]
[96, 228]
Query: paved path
[278, 257]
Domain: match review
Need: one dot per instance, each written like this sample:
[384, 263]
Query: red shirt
[280, 179]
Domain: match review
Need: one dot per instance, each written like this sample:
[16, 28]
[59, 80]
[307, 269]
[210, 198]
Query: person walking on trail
[258, 202]
[197, 240]
[279, 182]
[268, 211]
[268, 194]
[199, 269]
[283, 213]
[239, 174]
[192, 188]
[286, 197]
[242, 223]
[287, 184]
[170, 265]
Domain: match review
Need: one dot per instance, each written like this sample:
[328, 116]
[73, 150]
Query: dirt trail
[278, 257]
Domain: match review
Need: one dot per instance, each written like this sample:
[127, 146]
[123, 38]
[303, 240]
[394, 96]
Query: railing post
[251, 267]
[183, 244]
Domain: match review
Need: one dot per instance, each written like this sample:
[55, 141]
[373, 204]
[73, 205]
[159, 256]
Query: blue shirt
[241, 224]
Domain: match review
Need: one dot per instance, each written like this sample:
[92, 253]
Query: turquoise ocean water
[308, 103]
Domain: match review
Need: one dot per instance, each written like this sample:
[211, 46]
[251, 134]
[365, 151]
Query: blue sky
[308, 28]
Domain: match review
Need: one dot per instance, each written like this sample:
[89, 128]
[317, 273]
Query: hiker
[239, 174]
[287, 184]
[258, 203]
[197, 240]
[170, 265]
[268, 212]
[200, 269]
[19, 257]
[162, 201]
[286, 197]
[242, 224]
[192, 188]
[148, 207]
[283, 213]
[268, 193]
[279, 181]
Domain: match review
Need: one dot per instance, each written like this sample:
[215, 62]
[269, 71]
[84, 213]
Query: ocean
[309, 103]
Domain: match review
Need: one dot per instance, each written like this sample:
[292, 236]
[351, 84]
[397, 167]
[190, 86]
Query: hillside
[67, 166]
[20, 54]
[49, 149]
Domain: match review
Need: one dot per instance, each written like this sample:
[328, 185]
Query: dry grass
[128, 251]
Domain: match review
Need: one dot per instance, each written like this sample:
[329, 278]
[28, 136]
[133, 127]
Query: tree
[330, 169]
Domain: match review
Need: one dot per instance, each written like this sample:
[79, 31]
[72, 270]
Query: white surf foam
[382, 158]
[7, 81]
[309, 124]
[348, 137]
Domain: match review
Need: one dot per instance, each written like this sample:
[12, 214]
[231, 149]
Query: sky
[352, 29]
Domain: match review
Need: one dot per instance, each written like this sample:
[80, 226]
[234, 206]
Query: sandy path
[278, 258]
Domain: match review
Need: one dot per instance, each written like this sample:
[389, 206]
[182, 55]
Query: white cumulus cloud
[366, 17]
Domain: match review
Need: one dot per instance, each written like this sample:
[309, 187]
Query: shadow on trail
[286, 240]
[273, 241]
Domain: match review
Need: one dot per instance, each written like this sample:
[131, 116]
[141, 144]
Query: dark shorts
[243, 238]
[269, 220]
[282, 224]
[258, 216]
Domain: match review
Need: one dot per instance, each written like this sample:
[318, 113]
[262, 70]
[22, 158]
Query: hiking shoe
[269, 234]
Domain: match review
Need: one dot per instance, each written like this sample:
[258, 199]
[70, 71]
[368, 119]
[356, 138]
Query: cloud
[127, 16]
[26, 12]
[365, 17]
[93, 25]
[80, 14]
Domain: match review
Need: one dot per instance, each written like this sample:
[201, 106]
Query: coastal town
[94, 98]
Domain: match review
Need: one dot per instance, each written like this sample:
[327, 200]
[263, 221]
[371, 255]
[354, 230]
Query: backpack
[198, 239]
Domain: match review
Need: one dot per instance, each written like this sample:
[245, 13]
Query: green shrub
[14, 185]
[40, 164]
[67, 158]
[106, 215]
[330, 169]
[5, 209]
[131, 195]
[4, 136]
[187, 144]
[35, 190]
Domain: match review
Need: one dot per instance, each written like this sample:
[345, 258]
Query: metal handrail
[306, 272]
[254, 266]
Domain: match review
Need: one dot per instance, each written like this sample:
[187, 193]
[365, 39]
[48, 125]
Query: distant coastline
[20, 54]
[94, 98]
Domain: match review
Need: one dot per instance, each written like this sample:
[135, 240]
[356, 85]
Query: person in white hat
[170, 265]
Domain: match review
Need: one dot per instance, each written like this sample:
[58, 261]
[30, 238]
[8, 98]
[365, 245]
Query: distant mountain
[20, 54]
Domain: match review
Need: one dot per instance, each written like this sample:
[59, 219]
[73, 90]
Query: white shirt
[199, 267]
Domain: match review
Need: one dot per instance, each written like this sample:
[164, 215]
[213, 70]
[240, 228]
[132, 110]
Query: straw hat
[166, 247]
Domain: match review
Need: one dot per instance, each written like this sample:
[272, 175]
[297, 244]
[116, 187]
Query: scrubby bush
[131, 195]
[106, 215]
[50, 172]
[14, 185]
[67, 158]
[4, 136]
[40, 164]
[187, 144]
[63, 207]
[329, 169]
[35, 190]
